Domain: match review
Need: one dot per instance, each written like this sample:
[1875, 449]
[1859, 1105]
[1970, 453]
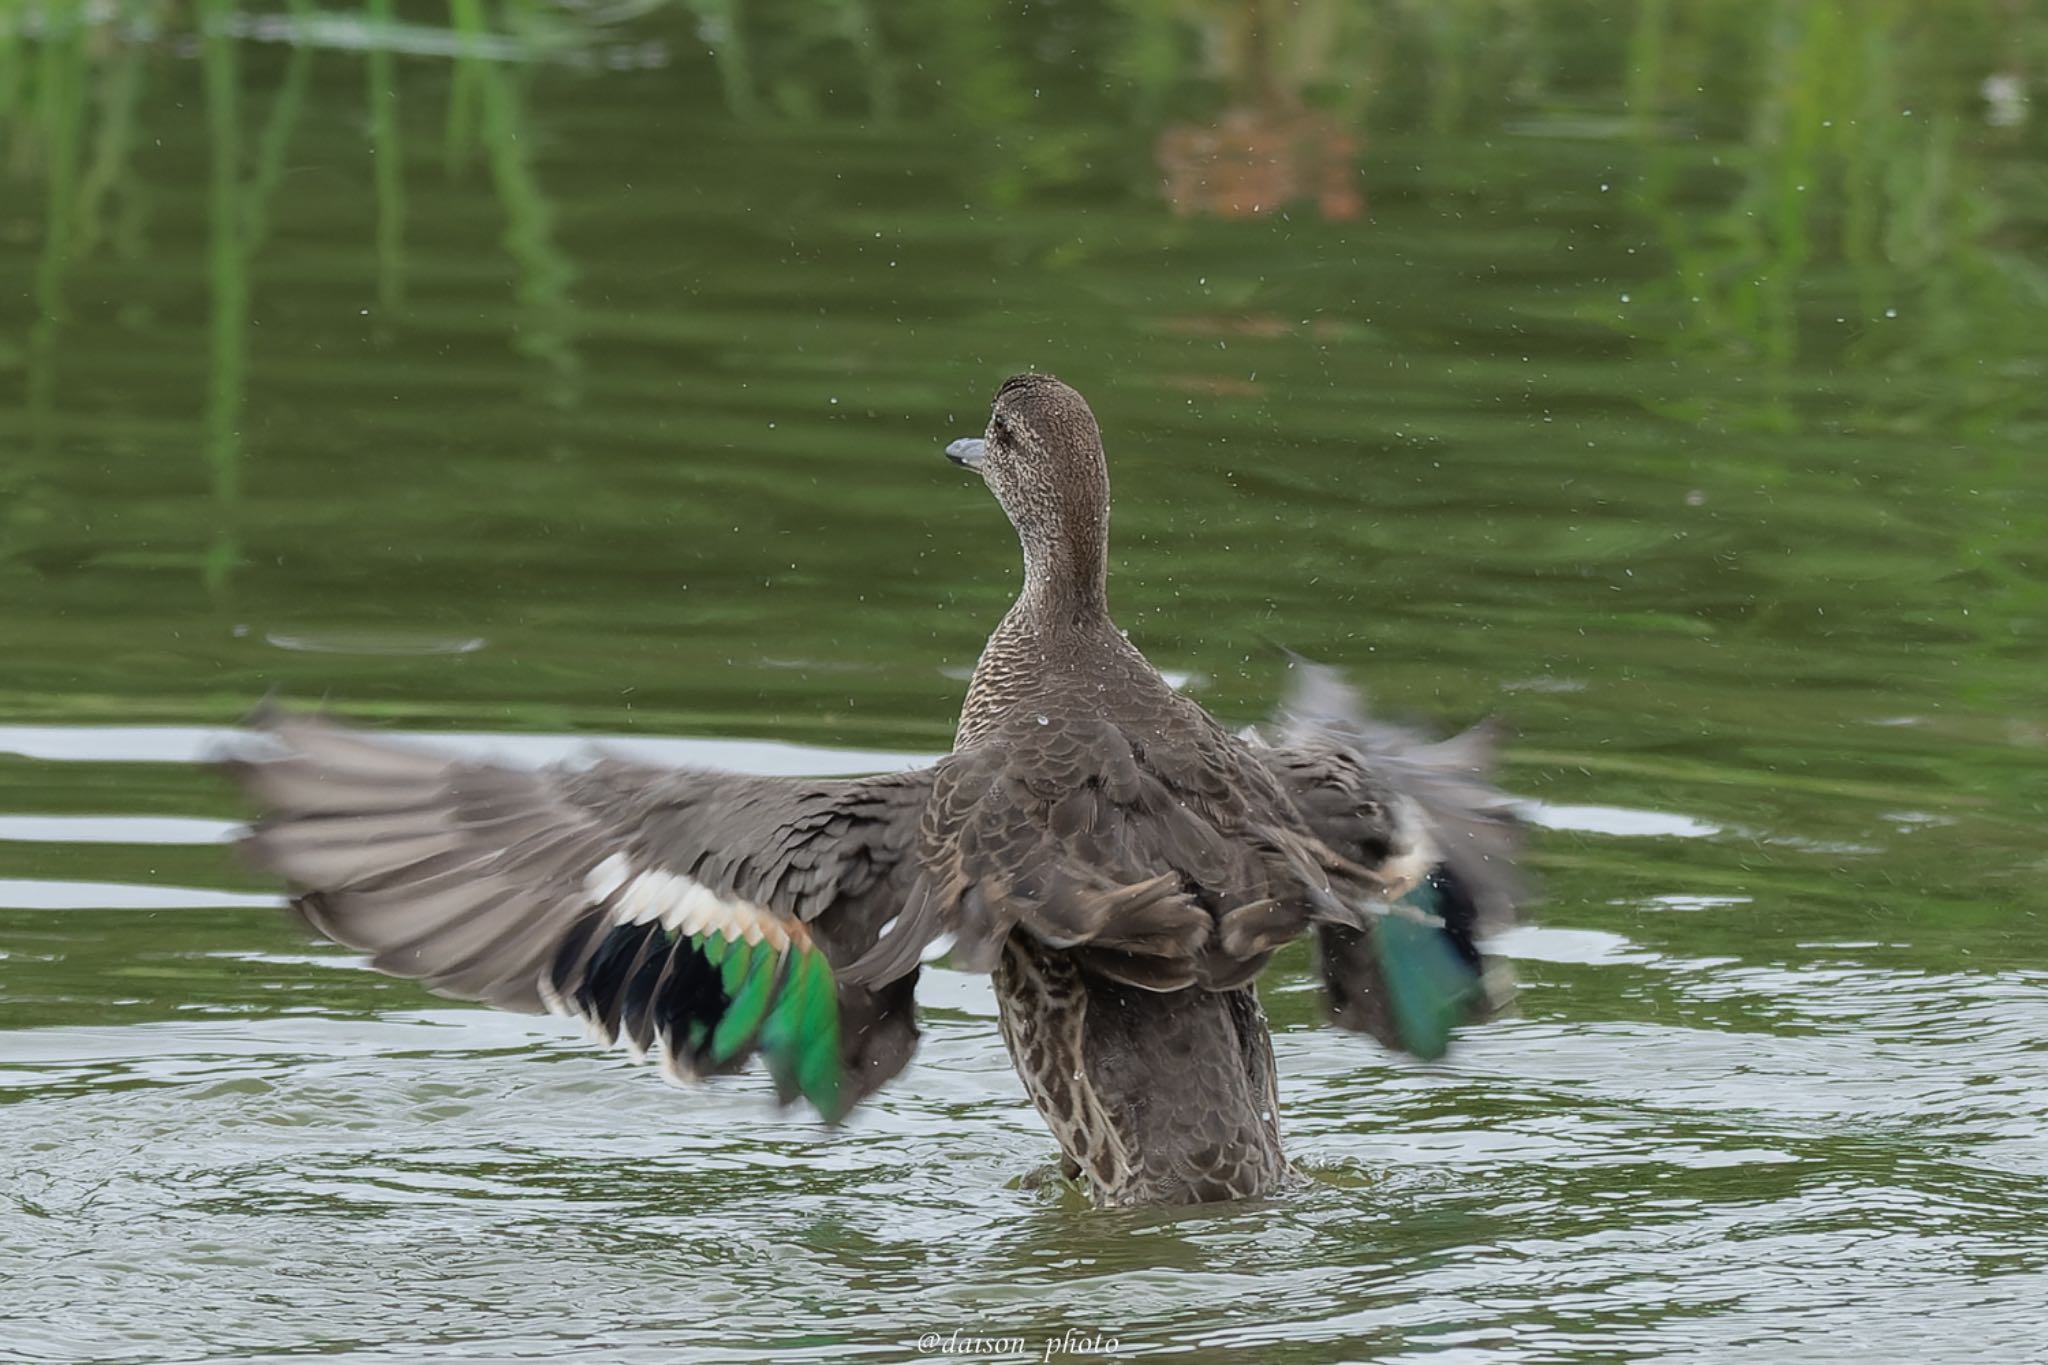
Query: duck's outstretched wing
[1391, 800]
[701, 916]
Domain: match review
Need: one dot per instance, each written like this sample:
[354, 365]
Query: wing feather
[1427, 816]
[654, 904]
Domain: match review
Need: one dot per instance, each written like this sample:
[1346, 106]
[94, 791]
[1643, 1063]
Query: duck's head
[1042, 456]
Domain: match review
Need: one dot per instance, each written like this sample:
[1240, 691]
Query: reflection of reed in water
[52, 130]
[1267, 150]
[58, 112]
[1865, 224]
[1863, 219]
[546, 324]
[387, 153]
[228, 281]
[46, 103]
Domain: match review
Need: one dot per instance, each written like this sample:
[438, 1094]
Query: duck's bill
[967, 452]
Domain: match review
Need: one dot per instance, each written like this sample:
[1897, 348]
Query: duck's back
[1144, 866]
[1092, 776]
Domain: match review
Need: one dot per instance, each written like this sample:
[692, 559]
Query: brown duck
[1121, 863]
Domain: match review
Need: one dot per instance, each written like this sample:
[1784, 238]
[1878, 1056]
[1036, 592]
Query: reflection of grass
[59, 111]
[238, 219]
[458, 133]
[546, 315]
[14, 79]
[108, 169]
[1811, 210]
[228, 279]
[1856, 225]
[387, 150]
[275, 141]
[857, 20]
[725, 22]
[44, 106]
[1863, 234]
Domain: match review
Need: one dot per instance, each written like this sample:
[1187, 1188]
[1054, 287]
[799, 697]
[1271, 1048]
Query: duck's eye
[1001, 427]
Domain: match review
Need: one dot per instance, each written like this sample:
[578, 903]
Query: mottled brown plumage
[474, 878]
[1122, 865]
[1153, 1067]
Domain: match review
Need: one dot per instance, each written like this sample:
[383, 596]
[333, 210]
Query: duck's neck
[1065, 583]
[1066, 563]
[1059, 621]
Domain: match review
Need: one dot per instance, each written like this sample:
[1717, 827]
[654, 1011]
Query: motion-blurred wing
[1418, 811]
[703, 916]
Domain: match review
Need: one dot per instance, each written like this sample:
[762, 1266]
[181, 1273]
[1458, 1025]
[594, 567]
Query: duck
[1121, 866]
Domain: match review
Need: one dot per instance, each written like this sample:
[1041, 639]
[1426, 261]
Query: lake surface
[1671, 381]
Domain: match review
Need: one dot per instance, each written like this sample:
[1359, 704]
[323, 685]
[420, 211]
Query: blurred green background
[1685, 344]
[1667, 378]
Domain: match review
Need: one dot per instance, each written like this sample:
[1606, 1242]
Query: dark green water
[1670, 380]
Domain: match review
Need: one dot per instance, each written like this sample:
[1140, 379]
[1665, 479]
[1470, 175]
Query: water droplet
[1891, 312]
[1043, 721]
